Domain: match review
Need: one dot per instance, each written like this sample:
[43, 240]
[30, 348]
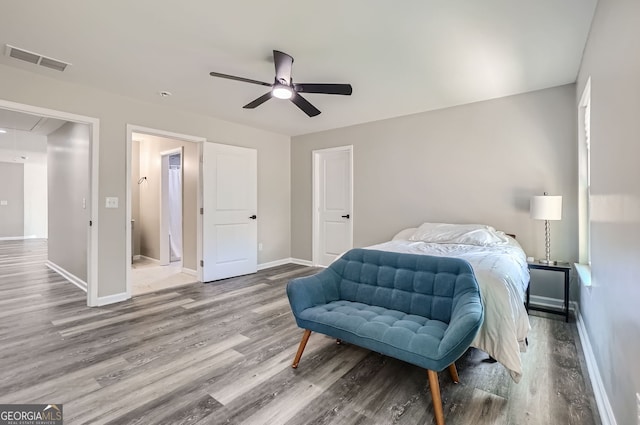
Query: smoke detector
[35, 58]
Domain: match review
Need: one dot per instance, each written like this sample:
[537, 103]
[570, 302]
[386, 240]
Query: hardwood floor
[221, 353]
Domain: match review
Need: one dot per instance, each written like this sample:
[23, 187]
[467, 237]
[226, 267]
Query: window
[584, 195]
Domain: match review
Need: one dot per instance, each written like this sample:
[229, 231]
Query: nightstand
[560, 267]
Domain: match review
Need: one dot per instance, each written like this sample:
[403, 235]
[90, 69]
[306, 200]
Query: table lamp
[546, 208]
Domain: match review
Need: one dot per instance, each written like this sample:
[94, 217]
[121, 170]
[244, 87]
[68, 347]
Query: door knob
[253, 217]
[345, 216]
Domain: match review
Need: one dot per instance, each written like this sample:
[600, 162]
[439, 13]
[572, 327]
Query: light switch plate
[3, 202]
[111, 202]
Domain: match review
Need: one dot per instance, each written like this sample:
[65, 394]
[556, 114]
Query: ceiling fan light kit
[284, 88]
[282, 92]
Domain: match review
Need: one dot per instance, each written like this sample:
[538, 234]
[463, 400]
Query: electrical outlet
[260, 246]
[111, 202]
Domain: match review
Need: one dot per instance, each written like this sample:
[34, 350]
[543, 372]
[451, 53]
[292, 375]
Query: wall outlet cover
[3, 202]
[111, 202]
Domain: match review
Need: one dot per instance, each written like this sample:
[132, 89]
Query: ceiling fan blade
[304, 104]
[344, 89]
[283, 64]
[233, 77]
[259, 101]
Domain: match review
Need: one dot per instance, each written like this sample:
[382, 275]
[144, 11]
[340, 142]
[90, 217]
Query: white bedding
[503, 277]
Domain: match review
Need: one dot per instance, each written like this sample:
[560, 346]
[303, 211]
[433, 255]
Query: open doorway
[52, 157]
[164, 183]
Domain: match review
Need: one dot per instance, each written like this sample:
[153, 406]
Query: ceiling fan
[284, 88]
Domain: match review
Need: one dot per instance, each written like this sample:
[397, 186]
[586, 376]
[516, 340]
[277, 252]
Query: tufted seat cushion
[402, 335]
[420, 309]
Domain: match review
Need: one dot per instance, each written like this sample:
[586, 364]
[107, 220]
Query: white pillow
[466, 234]
[405, 234]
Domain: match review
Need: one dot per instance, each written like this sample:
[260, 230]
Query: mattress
[503, 276]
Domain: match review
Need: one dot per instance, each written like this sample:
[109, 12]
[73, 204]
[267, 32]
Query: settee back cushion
[414, 284]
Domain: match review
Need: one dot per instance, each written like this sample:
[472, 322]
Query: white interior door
[229, 217]
[333, 199]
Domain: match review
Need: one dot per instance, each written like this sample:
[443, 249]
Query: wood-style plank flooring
[220, 353]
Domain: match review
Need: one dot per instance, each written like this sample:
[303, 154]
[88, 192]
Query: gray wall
[115, 112]
[68, 184]
[610, 308]
[149, 223]
[12, 191]
[474, 163]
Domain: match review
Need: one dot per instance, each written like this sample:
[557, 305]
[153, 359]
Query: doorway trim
[315, 184]
[132, 128]
[165, 245]
[94, 152]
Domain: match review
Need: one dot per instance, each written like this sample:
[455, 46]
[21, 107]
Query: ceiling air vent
[36, 58]
[53, 64]
[23, 55]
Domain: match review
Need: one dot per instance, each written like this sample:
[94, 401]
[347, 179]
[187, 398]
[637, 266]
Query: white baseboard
[144, 257]
[191, 272]
[112, 299]
[274, 263]
[284, 261]
[552, 302]
[17, 238]
[602, 400]
[137, 257]
[67, 275]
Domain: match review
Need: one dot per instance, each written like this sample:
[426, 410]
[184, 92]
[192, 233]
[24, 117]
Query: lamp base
[548, 262]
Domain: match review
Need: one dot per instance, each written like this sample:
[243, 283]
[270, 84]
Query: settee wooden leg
[454, 373]
[435, 395]
[303, 343]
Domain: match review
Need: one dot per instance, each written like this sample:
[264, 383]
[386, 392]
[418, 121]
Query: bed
[500, 266]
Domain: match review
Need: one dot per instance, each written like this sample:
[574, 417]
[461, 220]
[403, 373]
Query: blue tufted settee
[420, 309]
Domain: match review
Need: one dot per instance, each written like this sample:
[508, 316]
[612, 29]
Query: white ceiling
[11, 120]
[23, 136]
[401, 57]
[23, 146]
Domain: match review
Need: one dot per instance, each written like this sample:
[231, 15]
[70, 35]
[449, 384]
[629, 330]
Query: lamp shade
[546, 207]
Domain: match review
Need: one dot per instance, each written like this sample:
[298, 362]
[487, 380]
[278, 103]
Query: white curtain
[175, 213]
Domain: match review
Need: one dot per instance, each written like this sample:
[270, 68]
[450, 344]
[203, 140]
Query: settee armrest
[309, 291]
[466, 319]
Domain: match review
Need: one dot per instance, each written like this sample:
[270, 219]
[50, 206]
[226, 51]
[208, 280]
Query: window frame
[585, 144]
